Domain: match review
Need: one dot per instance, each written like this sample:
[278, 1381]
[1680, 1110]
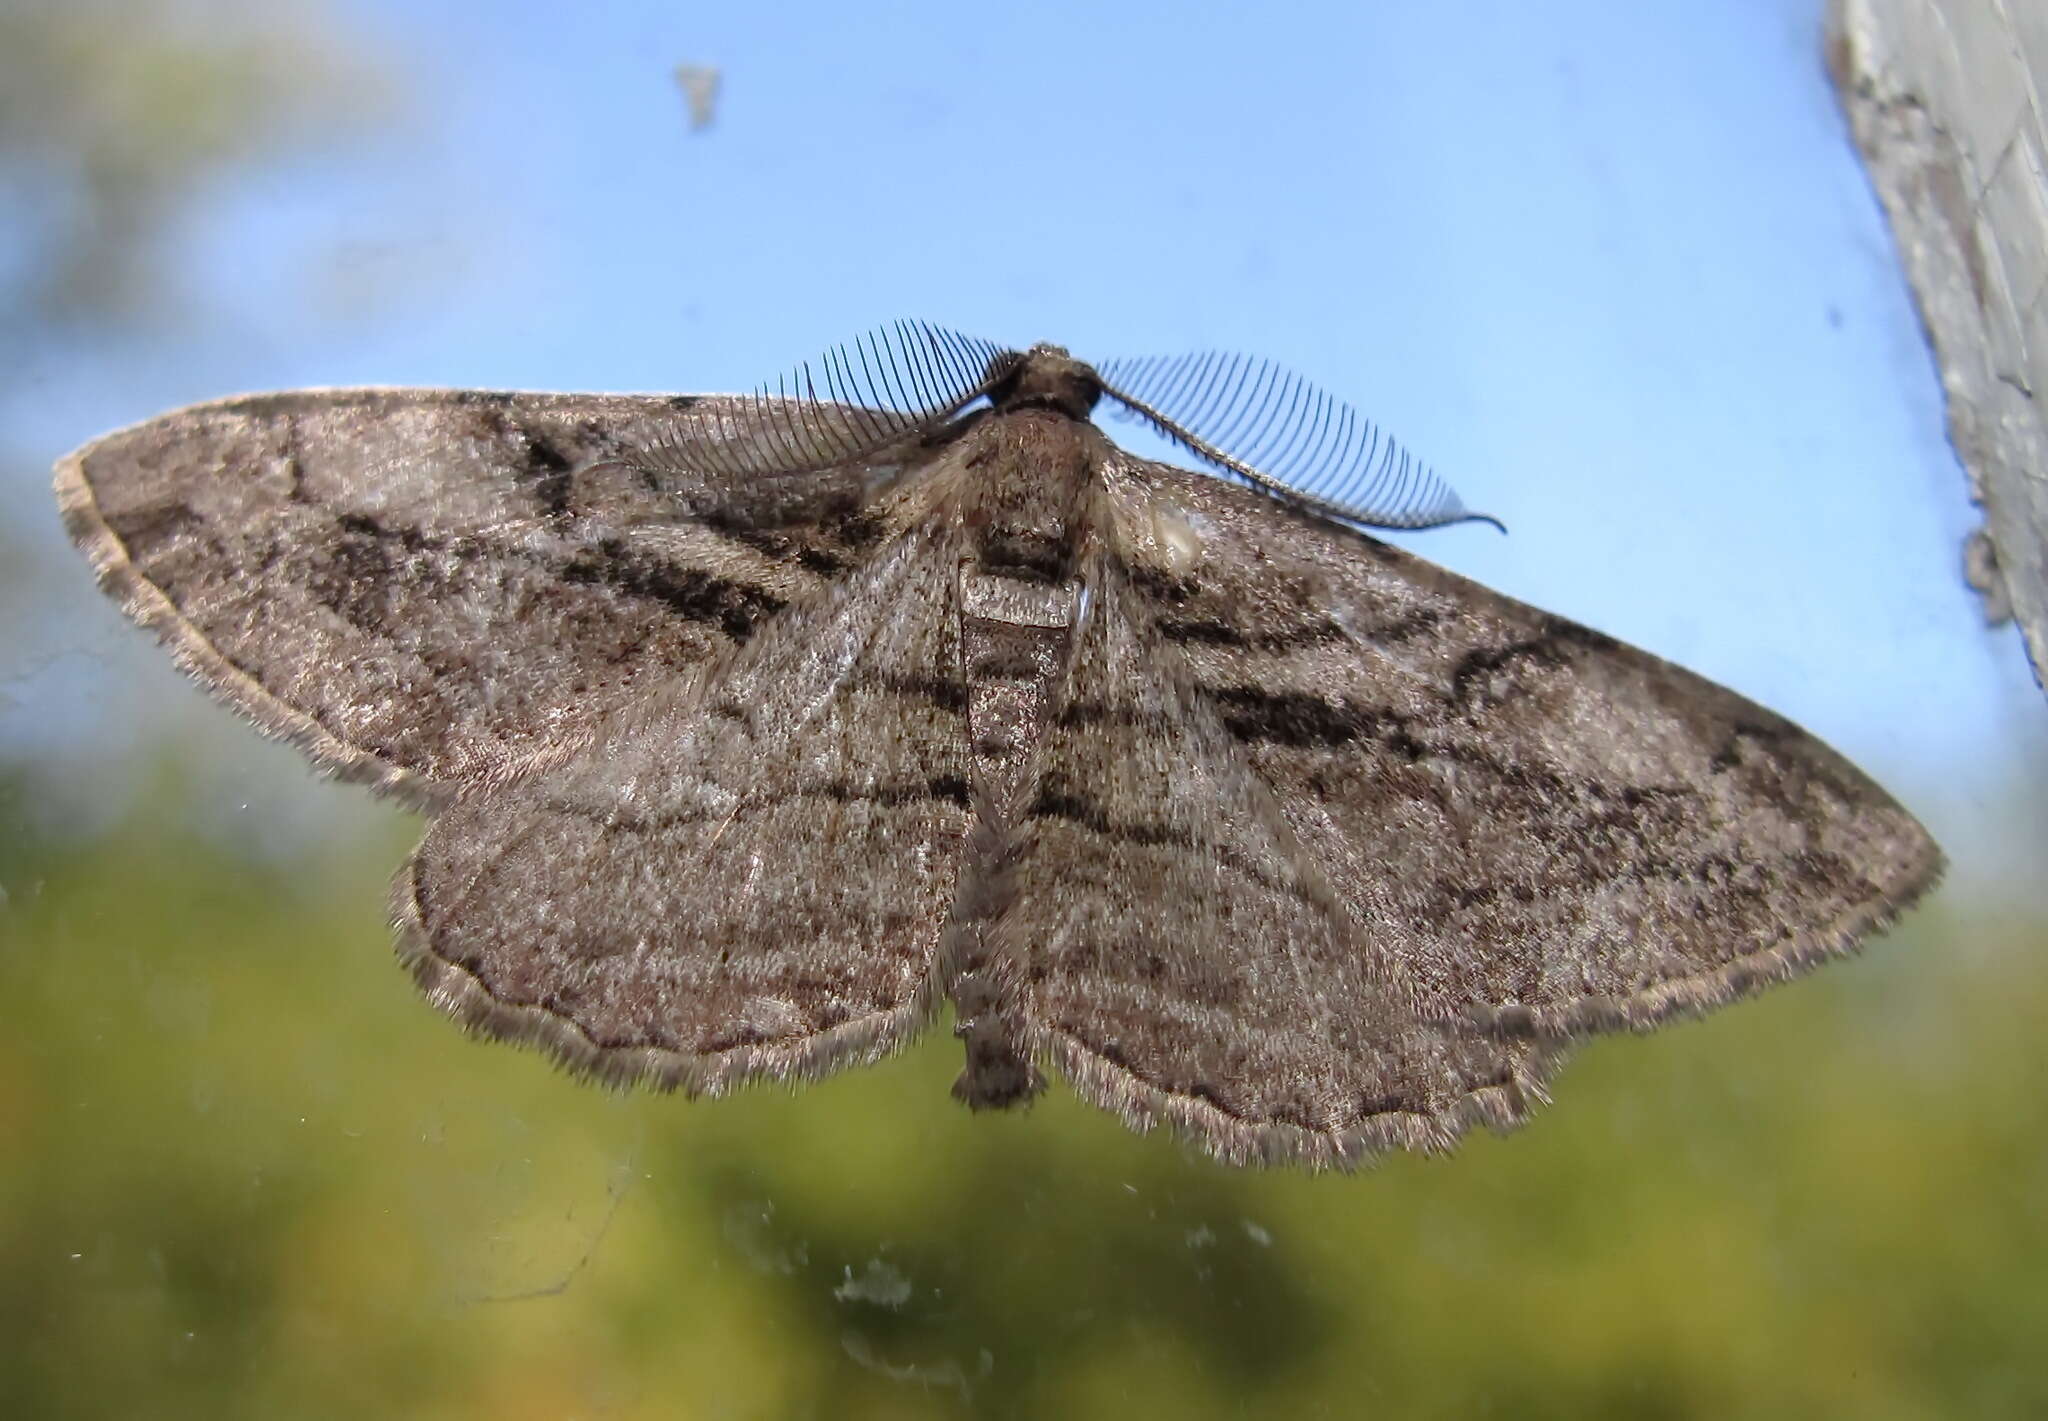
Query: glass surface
[1615, 272]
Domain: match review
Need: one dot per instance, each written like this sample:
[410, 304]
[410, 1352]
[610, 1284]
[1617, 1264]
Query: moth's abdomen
[1013, 638]
[1014, 634]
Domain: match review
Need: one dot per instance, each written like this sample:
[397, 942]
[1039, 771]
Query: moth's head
[1043, 375]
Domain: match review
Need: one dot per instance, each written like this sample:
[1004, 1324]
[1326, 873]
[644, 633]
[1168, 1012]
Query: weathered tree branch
[1946, 100]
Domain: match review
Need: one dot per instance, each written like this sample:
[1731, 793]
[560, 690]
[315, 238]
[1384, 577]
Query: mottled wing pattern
[416, 585]
[1550, 831]
[1182, 957]
[1288, 838]
[742, 875]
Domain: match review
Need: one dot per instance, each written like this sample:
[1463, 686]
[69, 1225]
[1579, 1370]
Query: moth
[754, 729]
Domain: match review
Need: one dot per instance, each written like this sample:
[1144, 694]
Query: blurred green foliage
[115, 116]
[250, 1173]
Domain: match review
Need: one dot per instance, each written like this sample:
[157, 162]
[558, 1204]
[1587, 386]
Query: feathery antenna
[1281, 434]
[892, 383]
[1249, 417]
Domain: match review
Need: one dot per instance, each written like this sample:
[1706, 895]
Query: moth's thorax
[1024, 500]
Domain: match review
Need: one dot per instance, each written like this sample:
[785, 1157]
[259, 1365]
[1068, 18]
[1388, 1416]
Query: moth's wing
[740, 877]
[1556, 832]
[1172, 948]
[415, 585]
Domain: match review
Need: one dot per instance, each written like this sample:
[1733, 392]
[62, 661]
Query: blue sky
[1613, 269]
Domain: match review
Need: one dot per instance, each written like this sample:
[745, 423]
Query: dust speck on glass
[754, 729]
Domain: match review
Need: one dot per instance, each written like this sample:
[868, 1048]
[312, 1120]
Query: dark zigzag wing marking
[1559, 832]
[417, 585]
[1176, 955]
[741, 878]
